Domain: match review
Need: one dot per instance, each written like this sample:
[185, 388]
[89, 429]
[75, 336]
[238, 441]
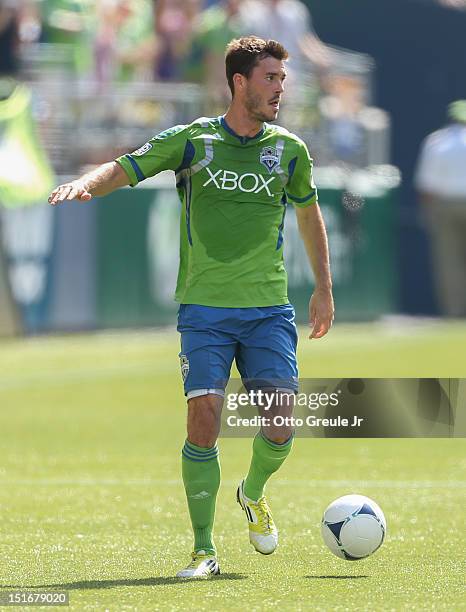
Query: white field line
[62, 378]
[382, 484]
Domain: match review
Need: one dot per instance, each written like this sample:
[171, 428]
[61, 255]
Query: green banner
[138, 255]
[361, 234]
[25, 174]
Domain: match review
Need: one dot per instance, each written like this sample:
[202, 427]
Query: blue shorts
[261, 340]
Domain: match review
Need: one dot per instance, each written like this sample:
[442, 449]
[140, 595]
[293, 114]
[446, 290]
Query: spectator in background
[174, 25]
[30, 26]
[214, 29]
[9, 37]
[125, 43]
[70, 22]
[441, 182]
[290, 22]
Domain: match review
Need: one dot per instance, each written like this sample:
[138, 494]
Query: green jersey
[234, 192]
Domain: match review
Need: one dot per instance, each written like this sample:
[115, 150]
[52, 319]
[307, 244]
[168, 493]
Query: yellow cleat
[263, 533]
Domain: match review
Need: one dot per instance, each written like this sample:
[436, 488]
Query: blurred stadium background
[95, 79]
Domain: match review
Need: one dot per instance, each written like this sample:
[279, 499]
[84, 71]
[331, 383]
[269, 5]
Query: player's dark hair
[243, 54]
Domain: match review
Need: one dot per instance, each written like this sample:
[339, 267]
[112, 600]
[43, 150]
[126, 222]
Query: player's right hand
[76, 190]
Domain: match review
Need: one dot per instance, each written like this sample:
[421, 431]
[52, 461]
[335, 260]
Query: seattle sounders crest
[269, 158]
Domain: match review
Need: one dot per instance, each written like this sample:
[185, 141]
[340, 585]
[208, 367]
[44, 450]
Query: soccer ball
[353, 527]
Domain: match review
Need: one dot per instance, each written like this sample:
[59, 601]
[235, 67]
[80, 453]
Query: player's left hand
[321, 311]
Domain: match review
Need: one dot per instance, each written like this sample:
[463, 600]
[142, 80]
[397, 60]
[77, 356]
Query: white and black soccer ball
[353, 527]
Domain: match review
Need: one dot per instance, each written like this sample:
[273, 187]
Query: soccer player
[235, 175]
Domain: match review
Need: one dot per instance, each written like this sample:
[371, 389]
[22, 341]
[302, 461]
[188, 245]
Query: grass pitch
[91, 499]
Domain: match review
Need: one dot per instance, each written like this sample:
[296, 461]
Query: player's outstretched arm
[312, 229]
[99, 182]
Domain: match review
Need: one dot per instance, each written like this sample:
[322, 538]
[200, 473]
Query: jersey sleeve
[301, 189]
[163, 152]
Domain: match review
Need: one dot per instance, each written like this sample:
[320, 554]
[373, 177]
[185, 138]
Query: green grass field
[91, 499]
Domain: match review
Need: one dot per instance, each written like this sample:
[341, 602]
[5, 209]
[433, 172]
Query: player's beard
[253, 103]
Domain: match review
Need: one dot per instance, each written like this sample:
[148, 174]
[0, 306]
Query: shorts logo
[269, 158]
[143, 149]
[184, 364]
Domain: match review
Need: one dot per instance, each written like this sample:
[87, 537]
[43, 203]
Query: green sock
[201, 477]
[267, 457]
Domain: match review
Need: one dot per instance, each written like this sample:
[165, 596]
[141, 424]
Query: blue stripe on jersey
[282, 224]
[188, 157]
[189, 188]
[291, 167]
[301, 200]
[139, 175]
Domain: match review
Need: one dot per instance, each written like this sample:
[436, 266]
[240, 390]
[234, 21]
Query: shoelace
[263, 515]
[195, 560]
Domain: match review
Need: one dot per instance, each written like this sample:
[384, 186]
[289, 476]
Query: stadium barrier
[85, 122]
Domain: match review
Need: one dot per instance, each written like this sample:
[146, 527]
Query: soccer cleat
[263, 533]
[203, 565]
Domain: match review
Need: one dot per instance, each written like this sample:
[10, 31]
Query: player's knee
[204, 419]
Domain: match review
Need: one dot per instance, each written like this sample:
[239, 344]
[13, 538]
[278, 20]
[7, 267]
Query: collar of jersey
[243, 139]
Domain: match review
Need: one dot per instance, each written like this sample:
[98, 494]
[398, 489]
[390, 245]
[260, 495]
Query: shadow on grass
[110, 584]
[338, 577]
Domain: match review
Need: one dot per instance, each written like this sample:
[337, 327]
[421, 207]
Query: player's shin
[267, 457]
[201, 477]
